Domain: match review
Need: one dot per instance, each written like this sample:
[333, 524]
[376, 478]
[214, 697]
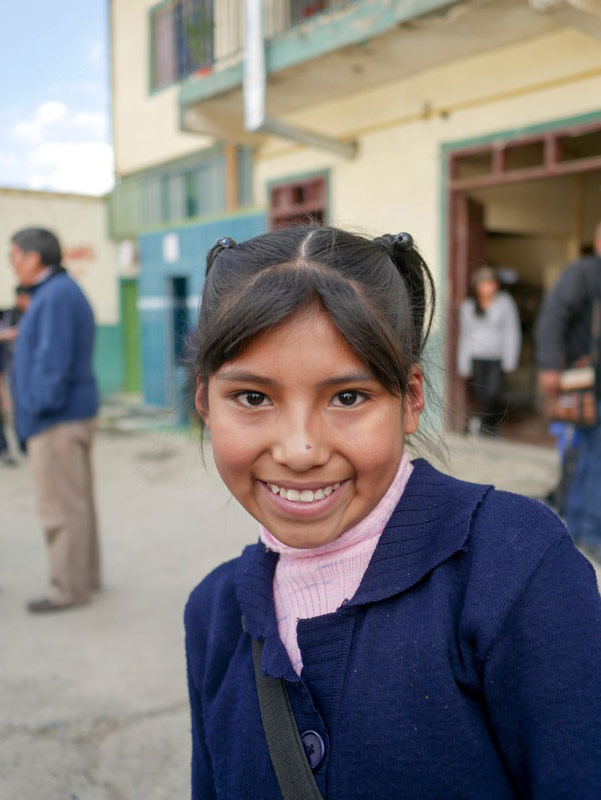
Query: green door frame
[132, 378]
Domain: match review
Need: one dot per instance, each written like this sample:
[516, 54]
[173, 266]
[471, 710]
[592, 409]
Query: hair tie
[404, 241]
[223, 243]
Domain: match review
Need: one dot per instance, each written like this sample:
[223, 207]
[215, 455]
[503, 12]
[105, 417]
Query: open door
[467, 254]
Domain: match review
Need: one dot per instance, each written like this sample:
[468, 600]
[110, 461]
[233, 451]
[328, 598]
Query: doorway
[178, 390]
[130, 326]
[527, 209]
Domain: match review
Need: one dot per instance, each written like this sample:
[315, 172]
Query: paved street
[93, 701]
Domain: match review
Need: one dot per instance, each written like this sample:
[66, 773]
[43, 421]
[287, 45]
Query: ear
[201, 400]
[413, 401]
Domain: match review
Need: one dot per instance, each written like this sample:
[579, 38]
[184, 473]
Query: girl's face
[303, 435]
[486, 290]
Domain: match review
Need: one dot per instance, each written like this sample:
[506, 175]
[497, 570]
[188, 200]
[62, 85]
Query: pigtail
[418, 281]
[221, 244]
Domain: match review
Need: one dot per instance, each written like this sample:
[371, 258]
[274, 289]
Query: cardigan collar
[430, 523]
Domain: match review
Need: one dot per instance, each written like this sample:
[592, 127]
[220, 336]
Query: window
[302, 9]
[192, 187]
[473, 165]
[298, 203]
[580, 145]
[182, 39]
[191, 194]
[525, 156]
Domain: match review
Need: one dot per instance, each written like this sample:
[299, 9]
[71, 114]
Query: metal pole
[255, 80]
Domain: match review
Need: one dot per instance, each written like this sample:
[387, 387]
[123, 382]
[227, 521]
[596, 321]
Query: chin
[303, 540]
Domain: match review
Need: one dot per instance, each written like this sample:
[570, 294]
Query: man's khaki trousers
[62, 475]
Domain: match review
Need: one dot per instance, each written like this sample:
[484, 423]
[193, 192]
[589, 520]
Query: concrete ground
[93, 701]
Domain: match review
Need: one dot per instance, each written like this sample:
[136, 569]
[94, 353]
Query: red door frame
[500, 175]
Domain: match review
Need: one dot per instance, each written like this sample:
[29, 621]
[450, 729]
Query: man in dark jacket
[56, 405]
[564, 336]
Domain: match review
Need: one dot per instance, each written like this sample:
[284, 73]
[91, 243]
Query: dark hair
[483, 273]
[379, 293]
[39, 240]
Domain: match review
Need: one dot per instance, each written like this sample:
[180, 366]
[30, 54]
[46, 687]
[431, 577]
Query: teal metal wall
[108, 359]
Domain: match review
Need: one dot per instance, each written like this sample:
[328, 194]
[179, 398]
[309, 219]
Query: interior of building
[532, 229]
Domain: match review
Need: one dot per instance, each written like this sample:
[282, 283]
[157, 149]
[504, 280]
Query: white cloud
[32, 131]
[95, 122]
[27, 132]
[85, 167]
[51, 111]
[59, 149]
[8, 160]
[37, 181]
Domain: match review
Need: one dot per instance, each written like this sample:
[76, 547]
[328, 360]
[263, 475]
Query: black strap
[595, 313]
[286, 750]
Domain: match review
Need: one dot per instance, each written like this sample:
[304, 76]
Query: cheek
[233, 453]
[378, 450]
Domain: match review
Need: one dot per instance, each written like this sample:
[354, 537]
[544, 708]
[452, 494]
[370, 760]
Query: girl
[436, 639]
[490, 337]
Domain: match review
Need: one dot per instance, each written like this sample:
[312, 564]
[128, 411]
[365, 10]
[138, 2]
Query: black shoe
[45, 606]
[7, 459]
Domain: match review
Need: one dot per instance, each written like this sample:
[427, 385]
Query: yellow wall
[394, 183]
[145, 125]
[81, 226]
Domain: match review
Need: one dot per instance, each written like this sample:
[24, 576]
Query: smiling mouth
[304, 495]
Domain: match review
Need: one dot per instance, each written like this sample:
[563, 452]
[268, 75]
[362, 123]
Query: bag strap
[286, 750]
[596, 315]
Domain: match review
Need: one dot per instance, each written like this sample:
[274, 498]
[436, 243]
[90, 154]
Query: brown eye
[253, 398]
[347, 398]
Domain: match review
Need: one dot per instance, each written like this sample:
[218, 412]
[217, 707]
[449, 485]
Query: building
[80, 222]
[475, 125]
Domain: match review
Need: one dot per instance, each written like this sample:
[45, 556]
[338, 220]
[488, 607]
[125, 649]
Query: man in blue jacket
[56, 402]
[564, 337]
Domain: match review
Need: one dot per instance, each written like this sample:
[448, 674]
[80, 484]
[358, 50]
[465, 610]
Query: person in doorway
[423, 637]
[563, 339]
[56, 403]
[490, 339]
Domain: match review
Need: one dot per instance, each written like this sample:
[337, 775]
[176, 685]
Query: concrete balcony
[321, 50]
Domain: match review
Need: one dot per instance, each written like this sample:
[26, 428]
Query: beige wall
[81, 225]
[145, 124]
[569, 206]
[395, 181]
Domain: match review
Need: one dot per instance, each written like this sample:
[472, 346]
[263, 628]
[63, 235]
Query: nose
[299, 443]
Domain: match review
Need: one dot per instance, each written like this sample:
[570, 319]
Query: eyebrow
[240, 376]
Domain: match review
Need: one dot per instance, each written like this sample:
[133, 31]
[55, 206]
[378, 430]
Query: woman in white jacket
[489, 346]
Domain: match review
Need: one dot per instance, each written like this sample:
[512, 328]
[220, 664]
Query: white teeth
[306, 496]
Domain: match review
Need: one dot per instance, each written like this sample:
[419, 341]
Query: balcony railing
[196, 36]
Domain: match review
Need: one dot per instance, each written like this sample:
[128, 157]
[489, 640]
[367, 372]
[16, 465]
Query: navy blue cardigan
[467, 665]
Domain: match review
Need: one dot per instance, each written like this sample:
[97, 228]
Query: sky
[55, 131]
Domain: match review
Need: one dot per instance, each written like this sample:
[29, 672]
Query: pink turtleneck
[311, 582]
